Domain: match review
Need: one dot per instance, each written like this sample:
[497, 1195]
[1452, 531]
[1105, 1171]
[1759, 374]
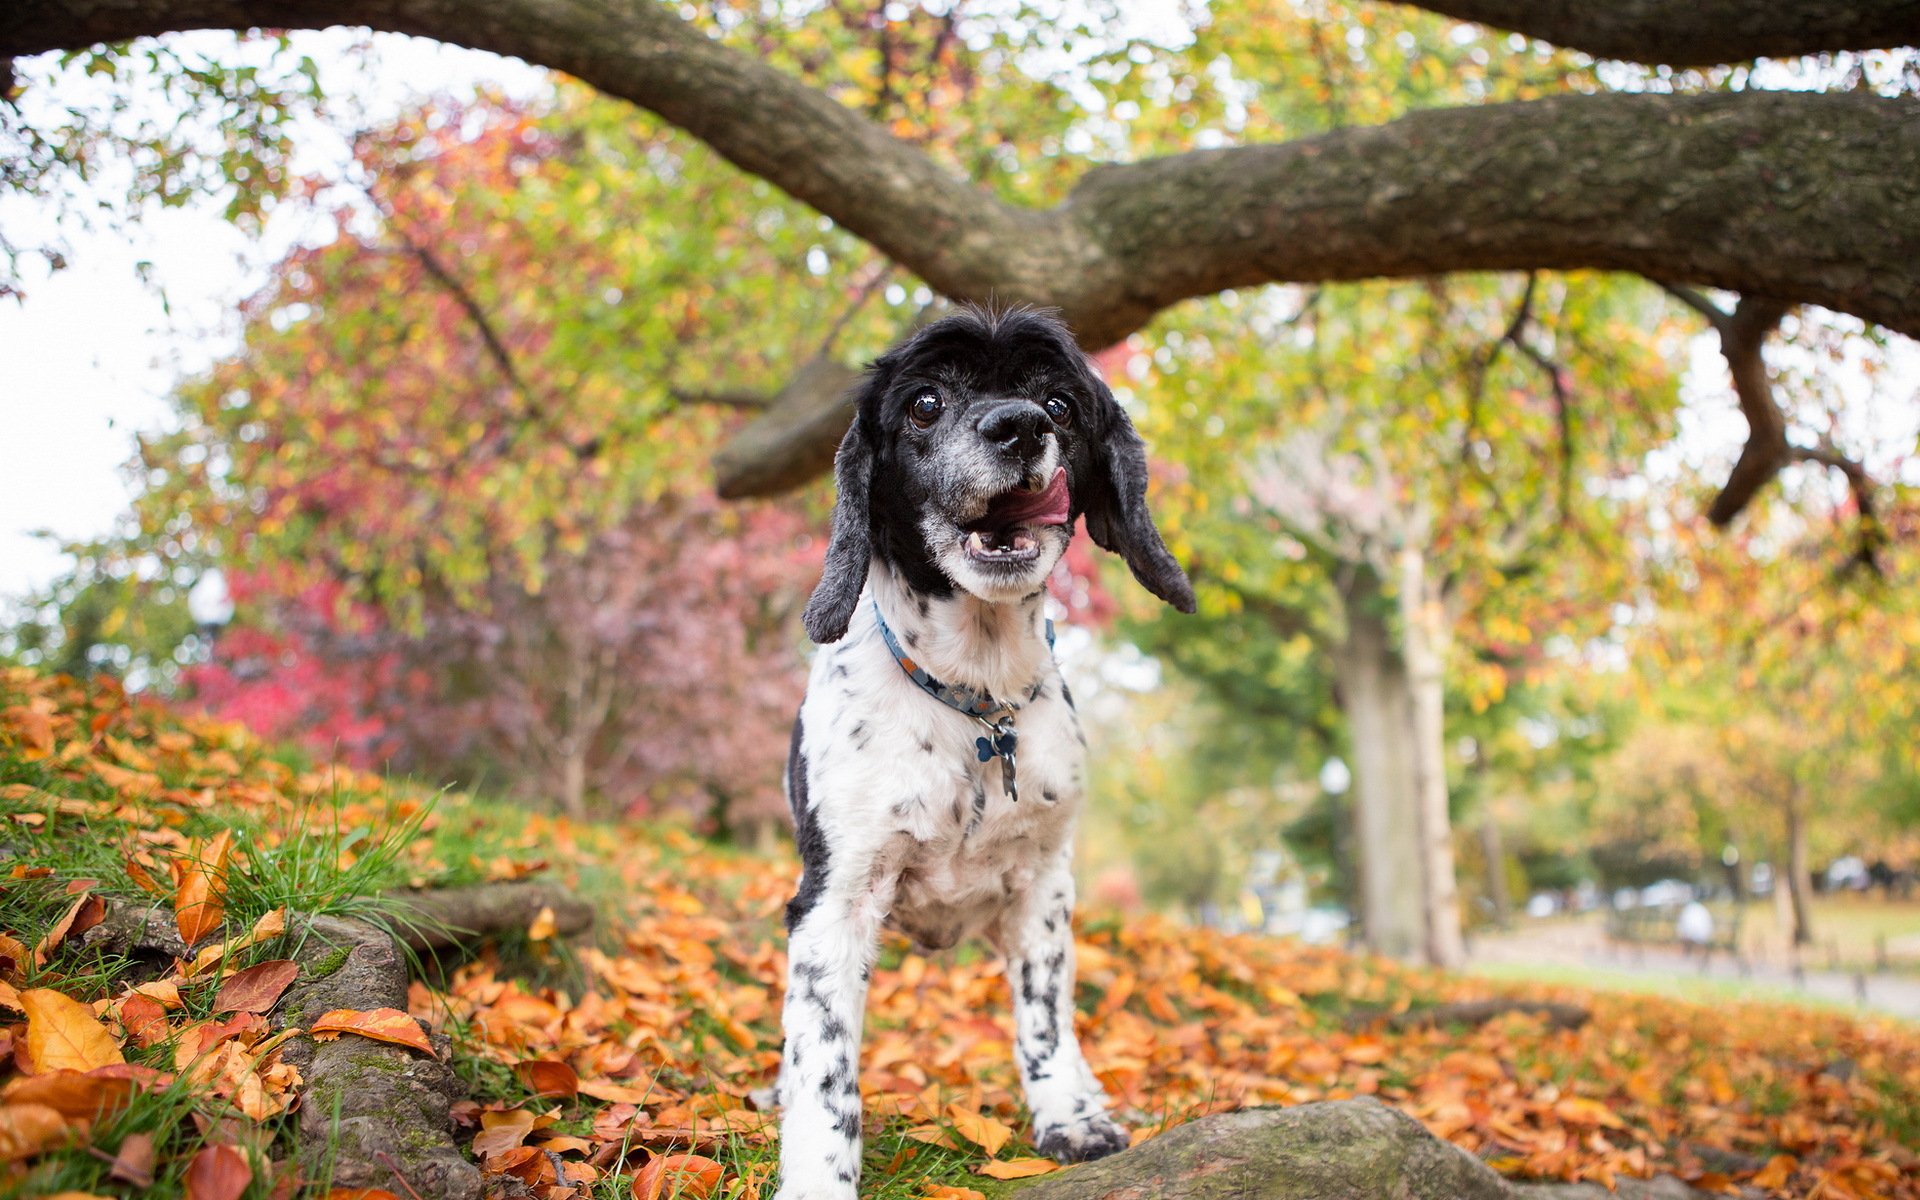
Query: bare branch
[1697, 300]
[1871, 534]
[496, 349]
[1741, 339]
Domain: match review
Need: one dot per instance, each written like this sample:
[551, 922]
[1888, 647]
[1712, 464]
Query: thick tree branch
[1810, 198]
[794, 440]
[1697, 33]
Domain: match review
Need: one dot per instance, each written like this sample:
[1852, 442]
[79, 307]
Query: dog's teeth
[1022, 542]
[976, 543]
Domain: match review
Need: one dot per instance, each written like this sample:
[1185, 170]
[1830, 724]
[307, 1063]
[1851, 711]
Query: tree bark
[1495, 852]
[1698, 33]
[1336, 1150]
[1804, 198]
[1425, 637]
[1799, 871]
[1376, 697]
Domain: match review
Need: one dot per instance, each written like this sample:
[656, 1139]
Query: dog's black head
[974, 445]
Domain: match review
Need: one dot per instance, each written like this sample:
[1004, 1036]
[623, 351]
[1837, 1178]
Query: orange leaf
[1578, 1110]
[544, 926]
[612, 1093]
[76, 1095]
[501, 1131]
[677, 1175]
[1777, 1172]
[64, 1035]
[380, 1024]
[35, 728]
[939, 1191]
[27, 1129]
[218, 1173]
[349, 1193]
[144, 1019]
[982, 1131]
[201, 901]
[89, 910]
[133, 1162]
[1019, 1168]
[549, 1078]
[256, 989]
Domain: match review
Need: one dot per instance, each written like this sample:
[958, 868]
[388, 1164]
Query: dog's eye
[1058, 410]
[925, 409]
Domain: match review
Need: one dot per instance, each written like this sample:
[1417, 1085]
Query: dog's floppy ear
[1116, 507]
[851, 546]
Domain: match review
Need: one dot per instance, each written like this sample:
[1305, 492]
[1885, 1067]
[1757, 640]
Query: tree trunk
[1492, 849]
[573, 781]
[1376, 696]
[1425, 637]
[1799, 870]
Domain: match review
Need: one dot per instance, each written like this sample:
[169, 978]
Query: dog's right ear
[851, 546]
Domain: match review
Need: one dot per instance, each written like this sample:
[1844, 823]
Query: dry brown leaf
[256, 989]
[982, 1131]
[544, 926]
[34, 727]
[27, 1129]
[502, 1131]
[381, 1024]
[144, 1019]
[133, 1161]
[75, 1095]
[1019, 1168]
[547, 1077]
[86, 912]
[218, 1173]
[270, 926]
[673, 1175]
[63, 1034]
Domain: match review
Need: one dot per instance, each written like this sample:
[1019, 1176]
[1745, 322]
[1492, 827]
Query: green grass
[1684, 985]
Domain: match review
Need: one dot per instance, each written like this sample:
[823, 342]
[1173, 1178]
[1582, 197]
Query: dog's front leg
[1070, 1120]
[829, 957]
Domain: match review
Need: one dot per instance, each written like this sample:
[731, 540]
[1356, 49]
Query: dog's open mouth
[1005, 534]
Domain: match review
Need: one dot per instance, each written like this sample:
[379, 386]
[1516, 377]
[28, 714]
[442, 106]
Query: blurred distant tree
[1405, 537]
[1768, 701]
[655, 670]
[126, 616]
[464, 549]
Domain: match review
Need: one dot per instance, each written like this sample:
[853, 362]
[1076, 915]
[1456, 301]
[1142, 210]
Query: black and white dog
[937, 764]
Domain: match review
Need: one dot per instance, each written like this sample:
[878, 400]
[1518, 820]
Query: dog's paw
[1083, 1139]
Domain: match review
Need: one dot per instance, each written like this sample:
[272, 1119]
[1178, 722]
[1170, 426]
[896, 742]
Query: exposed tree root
[1478, 1012]
[1337, 1150]
[456, 917]
[371, 1115]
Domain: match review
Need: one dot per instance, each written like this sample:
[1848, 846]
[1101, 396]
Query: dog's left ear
[1116, 507]
[851, 546]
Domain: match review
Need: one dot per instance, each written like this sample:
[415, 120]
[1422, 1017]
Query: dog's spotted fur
[898, 823]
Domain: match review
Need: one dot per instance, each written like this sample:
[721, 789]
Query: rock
[1335, 1150]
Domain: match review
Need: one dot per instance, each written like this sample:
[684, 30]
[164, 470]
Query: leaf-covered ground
[624, 1068]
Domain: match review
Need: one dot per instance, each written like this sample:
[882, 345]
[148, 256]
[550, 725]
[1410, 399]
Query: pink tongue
[1047, 507]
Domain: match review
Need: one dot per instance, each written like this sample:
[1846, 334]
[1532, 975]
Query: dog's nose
[1015, 427]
